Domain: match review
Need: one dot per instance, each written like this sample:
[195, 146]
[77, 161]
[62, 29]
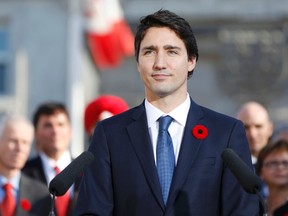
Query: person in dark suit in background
[259, 129]
[25, 195]
[258, 126]
[52, 140]
[131, 175]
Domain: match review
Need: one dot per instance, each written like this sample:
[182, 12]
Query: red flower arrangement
[200, 132]
[25, 204]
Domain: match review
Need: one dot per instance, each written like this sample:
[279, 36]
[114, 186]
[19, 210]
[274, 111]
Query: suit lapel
[141, 142]
[24, 193]
[36, 169]
[189, 149]
[41, 173]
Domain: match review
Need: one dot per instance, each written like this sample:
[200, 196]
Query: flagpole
[75, 85]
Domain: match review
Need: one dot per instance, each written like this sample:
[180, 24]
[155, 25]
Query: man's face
[258, 129]
[163, 63]
[15, 145]
[53, 133]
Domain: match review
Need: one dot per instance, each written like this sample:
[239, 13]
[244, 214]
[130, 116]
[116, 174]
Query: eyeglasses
[276, 164]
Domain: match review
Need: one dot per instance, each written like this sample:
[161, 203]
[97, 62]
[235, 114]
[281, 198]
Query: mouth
[160, 76]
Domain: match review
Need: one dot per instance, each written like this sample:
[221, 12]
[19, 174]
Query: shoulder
[32, 162]
[29, 182]
[32, 165]
[34, 169]
[220, 123]
[125, 117]
[36, 194]
[210, 115]
[217, 116]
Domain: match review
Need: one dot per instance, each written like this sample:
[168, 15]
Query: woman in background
[272, 166]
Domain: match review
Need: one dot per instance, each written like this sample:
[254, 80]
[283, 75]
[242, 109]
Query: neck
[9, 173]
[54, 155]
[167, 103]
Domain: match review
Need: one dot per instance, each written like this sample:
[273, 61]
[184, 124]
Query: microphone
[244, 174]
[63, 181]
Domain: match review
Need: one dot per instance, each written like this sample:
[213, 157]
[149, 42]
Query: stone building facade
[242, 45]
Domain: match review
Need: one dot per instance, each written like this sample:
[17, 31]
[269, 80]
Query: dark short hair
[165, 18]
[49, 108]
[267, 150]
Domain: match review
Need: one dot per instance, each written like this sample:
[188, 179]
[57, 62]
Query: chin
[162, 93]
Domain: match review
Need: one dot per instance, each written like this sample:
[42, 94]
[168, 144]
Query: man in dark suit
[52, 139]
[131, 175]
[27, 196]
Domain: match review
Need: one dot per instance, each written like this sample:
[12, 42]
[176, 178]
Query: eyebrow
[149, 48]
[166, 47]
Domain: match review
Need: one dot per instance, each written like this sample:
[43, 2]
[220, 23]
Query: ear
[138, 67]
[191, 63]
[271, 128]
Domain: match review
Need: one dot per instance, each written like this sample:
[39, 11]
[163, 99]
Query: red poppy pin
[200, 132]
[25, 204]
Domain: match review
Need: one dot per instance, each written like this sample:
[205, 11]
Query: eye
[285, 163]
[172, 52]
[47, 125]
[148, 52]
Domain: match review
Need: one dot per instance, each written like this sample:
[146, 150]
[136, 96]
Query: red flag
[109, 37]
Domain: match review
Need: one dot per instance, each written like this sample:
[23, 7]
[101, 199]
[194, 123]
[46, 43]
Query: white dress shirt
[176, 129]
[15, 181]
[49, 165]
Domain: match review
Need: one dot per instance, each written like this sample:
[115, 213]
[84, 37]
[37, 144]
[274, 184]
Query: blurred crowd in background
[65, 65]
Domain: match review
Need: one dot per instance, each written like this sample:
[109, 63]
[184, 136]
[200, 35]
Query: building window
[4, 76]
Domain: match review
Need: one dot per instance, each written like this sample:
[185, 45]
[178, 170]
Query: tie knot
[164, 122]
[8, 187]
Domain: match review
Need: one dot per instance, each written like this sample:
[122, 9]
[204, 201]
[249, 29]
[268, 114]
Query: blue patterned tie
[165, 156]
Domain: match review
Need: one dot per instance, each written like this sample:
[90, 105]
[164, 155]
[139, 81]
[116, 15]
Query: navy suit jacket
[123, 180]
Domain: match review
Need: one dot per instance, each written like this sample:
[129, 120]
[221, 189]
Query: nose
[17, 144]
[55, 129]
[252, 133]
[160, 61]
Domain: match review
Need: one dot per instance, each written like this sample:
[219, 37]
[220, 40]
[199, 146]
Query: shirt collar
[62, 162]
[13, 181]
[154, 113]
